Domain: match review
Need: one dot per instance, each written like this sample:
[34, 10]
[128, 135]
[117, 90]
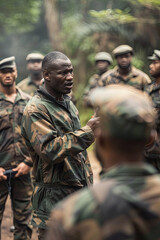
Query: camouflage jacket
[136, 78]
[93, 83]
[12, 145]
[124, 205]
[57, 144]
[154, 152]
[26, 85]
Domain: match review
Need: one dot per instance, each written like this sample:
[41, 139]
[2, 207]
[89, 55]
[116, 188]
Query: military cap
[34, 56]
[125, 112]
[8, 63]
[155, 55]
[122, 49]
[103, 56]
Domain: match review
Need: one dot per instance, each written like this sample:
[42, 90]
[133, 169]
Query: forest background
[80, 29]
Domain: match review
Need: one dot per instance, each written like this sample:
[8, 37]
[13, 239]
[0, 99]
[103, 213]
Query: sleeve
[47, 143]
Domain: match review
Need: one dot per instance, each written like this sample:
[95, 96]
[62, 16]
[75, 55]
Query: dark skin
[102, 66]
[8, 88]
[35, 70]
[124, 63]
[109, 155]
[155, 70]
[59, 81]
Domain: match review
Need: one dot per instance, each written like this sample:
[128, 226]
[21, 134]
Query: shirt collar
[20, 95]
[124, 170]
[133, 72]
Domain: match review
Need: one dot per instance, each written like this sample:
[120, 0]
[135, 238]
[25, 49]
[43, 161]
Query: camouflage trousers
[21, 192]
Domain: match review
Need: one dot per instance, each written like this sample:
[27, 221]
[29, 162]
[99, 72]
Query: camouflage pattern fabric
[124, 205]
[94, 82]
[152, 155]
[12, 146]
[125, 112]
[27, 86]
[57, 144]
[12, 152]
[135, 78]
[21, 205]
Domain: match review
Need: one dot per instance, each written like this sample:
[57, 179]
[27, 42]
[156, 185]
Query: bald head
[52, 58]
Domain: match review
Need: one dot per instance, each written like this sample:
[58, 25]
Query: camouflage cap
[34, 56]
[103, 56]
[122, 49]
[155, 55]
[8, 63]
[125, 112]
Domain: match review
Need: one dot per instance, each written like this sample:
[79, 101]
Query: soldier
[126, 203]
[13, 152]
[152, 154]
[125, 73]
[102, 61]
[34, 80]
[55, 139]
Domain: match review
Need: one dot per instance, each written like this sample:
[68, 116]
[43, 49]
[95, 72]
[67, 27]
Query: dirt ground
[7, 218]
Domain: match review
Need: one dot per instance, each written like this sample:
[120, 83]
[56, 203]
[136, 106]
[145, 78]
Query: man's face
[124, 60]
[34, 66]
[8, 76]
[155, 68]
[102, 66]
[59, 77]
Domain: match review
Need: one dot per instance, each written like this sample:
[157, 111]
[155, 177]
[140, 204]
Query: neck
[124, 71]
[36, 77]
[103, 71]
[158, 80]
[58, 96]
[8, 90]
[110, 159]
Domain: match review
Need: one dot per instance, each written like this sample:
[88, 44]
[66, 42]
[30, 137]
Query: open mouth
[69, 85]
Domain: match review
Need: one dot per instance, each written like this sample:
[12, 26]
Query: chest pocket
[4, 120]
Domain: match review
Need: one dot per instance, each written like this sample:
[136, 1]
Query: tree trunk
[52, 22]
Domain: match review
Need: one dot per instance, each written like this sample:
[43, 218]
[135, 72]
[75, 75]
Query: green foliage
[150, 3]
[19, 15]
[116, 15]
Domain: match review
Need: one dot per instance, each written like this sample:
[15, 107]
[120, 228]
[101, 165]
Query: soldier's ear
[46, 75]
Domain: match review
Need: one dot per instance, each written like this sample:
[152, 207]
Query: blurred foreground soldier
[125, 73]
[55, 140]
[102, 61]
[34, 67]
[13, 152]
[126, 203]
[153, 153]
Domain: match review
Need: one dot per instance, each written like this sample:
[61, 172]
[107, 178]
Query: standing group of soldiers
[43, 134]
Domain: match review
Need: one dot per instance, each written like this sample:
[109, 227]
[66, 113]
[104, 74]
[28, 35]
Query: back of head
[125, 112]
[51, 58]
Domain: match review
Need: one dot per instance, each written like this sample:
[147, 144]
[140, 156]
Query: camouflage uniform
[135, 78]
[126, 203]
[28, 86]
[96, 78]
[152, 154]
[12, 152]
[57, 144]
